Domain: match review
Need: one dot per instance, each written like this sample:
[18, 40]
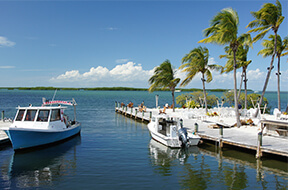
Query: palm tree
[197, 62]
[224, 30]
[269, 50]
[241, 62]
[164, 77]
[267, 18]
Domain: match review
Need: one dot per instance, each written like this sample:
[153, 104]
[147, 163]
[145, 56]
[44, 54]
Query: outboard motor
[182, 134]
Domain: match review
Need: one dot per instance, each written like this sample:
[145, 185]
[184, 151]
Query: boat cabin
[41, 117]
[166, 126]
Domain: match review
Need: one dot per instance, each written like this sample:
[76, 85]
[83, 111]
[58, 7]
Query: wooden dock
[243, 137]
[3, 137]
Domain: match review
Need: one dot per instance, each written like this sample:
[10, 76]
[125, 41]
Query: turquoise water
[115, 152]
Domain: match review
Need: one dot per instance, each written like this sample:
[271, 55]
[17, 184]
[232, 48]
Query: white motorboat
[170, 132]
[37, 126]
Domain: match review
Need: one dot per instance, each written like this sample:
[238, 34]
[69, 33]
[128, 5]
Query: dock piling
[221, 131]
[260, 136]
[2, 115]
[195, 128]
[259, 149]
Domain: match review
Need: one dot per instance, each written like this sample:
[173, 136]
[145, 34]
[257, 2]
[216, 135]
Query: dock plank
[245, 136]
[3, 137]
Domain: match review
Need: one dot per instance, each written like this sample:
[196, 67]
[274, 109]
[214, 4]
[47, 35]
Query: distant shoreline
[110, 89]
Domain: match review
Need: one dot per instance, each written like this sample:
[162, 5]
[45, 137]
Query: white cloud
[284, 76]
[7, 67]
[4, 42]
[96, 74]
[211, 61]
[256, 80]
[73, 75]
[132, 75]
[255, 75]
[122, 61]
[122, 75]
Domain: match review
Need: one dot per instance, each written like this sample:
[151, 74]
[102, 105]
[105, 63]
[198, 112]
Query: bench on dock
[275, 127]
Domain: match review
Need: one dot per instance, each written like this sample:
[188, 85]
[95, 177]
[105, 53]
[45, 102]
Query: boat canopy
[48, 102]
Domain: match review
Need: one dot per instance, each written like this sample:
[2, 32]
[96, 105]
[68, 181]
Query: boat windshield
[30, 115]
[55, 115]
[43, 115]
[20, 115]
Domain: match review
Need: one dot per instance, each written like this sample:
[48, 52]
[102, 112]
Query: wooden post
[115, 105]
[126, 110]
[142, 115]
[260, 135]
[221, 136]
[259, 149]
[221, 131]
[118, 106]
[131, 111]
[2, 116]
[150, 116]
[259, 175]
[195, 128]
[135, 113]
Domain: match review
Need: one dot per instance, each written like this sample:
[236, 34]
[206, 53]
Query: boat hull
[22, 138]
[171, 142]
[193, 140]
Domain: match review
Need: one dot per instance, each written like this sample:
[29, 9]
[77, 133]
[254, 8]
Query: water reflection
[239, 169]
[41, 167]
[164, 157]
[209, 168]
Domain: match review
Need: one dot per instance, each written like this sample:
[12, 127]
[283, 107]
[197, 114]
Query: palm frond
[208, 76]
[261, 35]
[268, 17]
[223, 28]
[163, 77]
[196, 61]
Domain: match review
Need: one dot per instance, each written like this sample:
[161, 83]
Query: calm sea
[115, 152]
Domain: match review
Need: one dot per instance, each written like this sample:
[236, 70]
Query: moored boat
[46, 124]
[170, 132]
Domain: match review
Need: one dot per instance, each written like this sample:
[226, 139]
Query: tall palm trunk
[235, 90]
[265, 85]
[278, 75]
[173, 99]
[204, 93]
[240, 89]
[268, 75]
[246, 92]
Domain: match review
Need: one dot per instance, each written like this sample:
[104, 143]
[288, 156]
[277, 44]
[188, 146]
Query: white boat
[37, 126]
[170, 132]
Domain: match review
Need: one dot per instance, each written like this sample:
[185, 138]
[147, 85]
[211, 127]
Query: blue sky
[117, 43]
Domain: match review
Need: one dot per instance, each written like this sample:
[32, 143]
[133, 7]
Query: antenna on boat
[54, 94]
